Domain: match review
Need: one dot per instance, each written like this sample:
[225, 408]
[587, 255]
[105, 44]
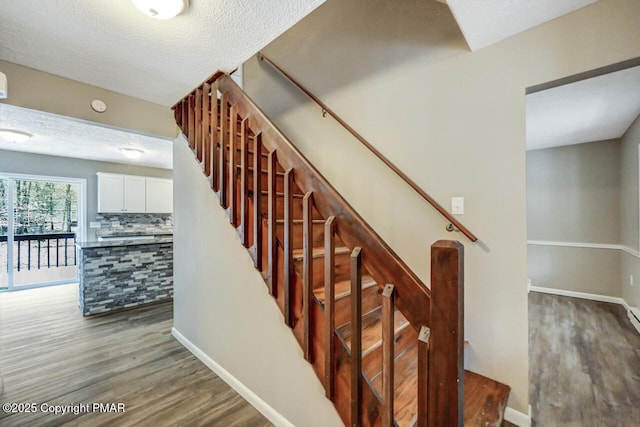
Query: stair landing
[484, 400]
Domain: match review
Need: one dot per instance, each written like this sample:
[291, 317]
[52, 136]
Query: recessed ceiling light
[161, 9]
[132, 153]
[13, 135]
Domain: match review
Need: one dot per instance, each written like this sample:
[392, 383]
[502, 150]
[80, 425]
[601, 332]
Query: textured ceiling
[484, 22]
[110, 44]
[596, 109]
[61, 136]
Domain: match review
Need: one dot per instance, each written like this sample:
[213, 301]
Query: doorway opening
[41, 218]
[582, 229]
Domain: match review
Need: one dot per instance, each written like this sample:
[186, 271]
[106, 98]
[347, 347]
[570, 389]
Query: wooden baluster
[257, 201]
[206, 128]
[307, 293]
[198, 125]
[185, 117]
[446, 372]
[215, 138]
[233, 155]
[177, 115]
[329, 305]
[288, 246]
[388, 339]
[272, 232]
[244, 182]
[224, 138]
[356, 337]
[423, 377]
[191, 134]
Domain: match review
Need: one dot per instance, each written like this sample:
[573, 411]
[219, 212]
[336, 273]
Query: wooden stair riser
[371, 329]
[372, 362]
[341, 268]
[370, 302]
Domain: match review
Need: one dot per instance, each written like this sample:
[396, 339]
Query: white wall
[451, 119]
[222, 307]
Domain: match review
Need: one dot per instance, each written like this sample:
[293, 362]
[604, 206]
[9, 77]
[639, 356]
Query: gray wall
[630, 263]
[586, 193]
[221, 304]
[573, 195]
[37, 164]
[451, 119]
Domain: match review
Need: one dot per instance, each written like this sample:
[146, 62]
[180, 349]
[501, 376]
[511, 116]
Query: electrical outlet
[94, 224]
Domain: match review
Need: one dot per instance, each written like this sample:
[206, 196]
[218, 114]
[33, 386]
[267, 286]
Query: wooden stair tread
[301, 221]
[298, 254]
[279, 194]
[266, 193]
[484, 400]
[372, 329]
[343, 288]
[264, 171]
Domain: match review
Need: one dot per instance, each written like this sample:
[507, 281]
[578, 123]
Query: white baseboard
[634, 318]
[271, 414]
[517, 417]
[583, 295]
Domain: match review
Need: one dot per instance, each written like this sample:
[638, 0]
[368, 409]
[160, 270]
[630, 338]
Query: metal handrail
[454, 223]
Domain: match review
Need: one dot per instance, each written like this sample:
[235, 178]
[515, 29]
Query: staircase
[387, 349]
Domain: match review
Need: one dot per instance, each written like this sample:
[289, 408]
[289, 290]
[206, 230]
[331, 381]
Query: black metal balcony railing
[39, 250]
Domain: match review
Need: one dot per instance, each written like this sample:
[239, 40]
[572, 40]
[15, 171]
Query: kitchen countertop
[125, 242]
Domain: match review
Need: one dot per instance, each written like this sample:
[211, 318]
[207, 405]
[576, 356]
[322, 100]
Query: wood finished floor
[50, 354]
[584, 361]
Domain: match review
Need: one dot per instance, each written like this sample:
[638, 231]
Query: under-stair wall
[217, 286]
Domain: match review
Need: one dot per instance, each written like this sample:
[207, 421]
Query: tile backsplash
[131, 224]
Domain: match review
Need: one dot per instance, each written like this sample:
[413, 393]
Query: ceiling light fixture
[13, 135]
[132, 153]
[161, 9]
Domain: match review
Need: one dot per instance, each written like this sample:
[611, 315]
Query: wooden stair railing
[387, 349]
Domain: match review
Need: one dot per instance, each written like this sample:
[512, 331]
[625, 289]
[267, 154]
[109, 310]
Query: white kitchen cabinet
[110, 193]
[134, 194]
[159, 195]
[121, 193]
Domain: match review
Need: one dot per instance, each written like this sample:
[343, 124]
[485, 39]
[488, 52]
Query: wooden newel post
[446, 343]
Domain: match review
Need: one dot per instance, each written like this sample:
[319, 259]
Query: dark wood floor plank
[584, 363]
[50, 354]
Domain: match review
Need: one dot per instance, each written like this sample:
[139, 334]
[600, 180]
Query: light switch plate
[457, 205]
